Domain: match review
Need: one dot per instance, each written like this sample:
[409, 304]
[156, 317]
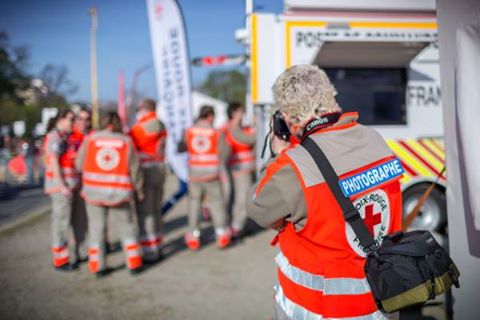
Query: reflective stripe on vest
[96, 195]
[297, 312]
[147, 161]
[146, 157]
[106, 178]
[246, 155]
[333, 286]
[199, 159]
[244, 160]
[151, 164]
[243, 156]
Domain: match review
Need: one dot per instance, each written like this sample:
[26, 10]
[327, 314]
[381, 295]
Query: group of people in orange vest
[91, 175]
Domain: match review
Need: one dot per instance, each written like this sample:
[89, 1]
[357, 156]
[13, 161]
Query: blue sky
[57, 32]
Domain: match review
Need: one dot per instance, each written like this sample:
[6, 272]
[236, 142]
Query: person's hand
[278, 145]
[279, 225]
[140, 196]
[65, 191]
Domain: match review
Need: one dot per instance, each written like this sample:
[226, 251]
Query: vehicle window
[378, 94]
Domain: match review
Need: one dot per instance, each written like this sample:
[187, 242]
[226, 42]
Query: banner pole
[93, 66]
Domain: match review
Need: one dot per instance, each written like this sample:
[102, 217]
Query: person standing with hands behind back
[321, 264]
[149, 136]
[111, 175]
[240, 164]
[207, 151]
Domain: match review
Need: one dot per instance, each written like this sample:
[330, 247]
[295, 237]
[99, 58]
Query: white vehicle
[382, 57]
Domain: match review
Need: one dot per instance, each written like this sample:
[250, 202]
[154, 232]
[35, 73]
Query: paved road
[210, 284]
[22, 204]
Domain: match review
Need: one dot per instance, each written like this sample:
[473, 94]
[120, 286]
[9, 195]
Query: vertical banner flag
[172, 72]
[122, 110]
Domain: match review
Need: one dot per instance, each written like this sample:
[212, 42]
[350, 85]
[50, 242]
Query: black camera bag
[407, 269]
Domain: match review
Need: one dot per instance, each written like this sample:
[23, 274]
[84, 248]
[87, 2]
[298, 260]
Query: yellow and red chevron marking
[419, 157]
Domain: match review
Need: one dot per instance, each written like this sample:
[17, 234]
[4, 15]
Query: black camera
[280, 128]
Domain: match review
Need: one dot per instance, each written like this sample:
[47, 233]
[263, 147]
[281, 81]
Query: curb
[25, 219]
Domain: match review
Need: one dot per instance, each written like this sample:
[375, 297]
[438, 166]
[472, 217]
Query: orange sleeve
[397, 210]
[136, 133]
[280, 162]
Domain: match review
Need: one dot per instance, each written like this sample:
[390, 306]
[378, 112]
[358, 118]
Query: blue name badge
[372, 177]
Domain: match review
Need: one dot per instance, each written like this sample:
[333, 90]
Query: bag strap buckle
[351, 215]
[373, 251]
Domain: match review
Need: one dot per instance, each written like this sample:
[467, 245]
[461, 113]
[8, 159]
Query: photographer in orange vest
[321, 264]
[111, 175]
[207, 151]
[61, 182]
[149, 136]
[240, 164]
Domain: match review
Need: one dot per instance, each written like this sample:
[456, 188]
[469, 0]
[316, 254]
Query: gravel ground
[235, 283]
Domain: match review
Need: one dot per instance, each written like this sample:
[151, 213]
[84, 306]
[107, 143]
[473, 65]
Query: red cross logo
[107, 158]
[371, 219]
[201, 144]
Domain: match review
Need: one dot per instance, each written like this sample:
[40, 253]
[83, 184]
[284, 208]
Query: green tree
[13, 79]
[13, 76]
[22, 96]
[57, 86]
[226, 85]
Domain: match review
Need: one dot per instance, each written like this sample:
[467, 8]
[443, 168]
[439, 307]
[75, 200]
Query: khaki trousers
[68, 212]
[148, 211]
[241, 182]
[79, 225]
[211, 191]
[97, 221]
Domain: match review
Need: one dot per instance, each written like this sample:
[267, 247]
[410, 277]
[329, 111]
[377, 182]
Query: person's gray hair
[304, 91]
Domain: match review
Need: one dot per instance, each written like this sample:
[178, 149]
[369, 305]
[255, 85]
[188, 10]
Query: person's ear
[291, 127]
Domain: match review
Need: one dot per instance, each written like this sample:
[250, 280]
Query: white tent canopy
[200, 99]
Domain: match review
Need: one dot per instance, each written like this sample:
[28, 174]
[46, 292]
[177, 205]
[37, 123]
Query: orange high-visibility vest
[202, 148]
[67, 155]
[242, 158]
[74, 142]
[150, 144]
[321, 267]
[106, 180]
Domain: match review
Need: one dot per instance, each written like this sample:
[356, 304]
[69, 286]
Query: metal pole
[93, 66]
[132, 94]
[133, 88]
[248, 26]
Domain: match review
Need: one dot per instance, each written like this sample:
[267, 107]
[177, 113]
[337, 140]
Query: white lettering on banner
[372, 177]
[172, 71]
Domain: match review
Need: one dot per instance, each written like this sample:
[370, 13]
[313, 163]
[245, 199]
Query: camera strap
[326, 120]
